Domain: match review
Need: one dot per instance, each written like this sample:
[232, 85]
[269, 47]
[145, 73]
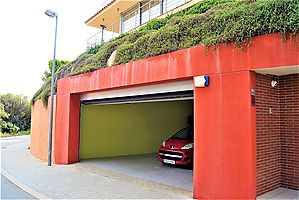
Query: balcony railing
[103, 35]
[138, 15]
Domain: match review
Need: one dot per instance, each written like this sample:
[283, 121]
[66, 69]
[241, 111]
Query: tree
[3, 116]
[58, 64]
[18, 110]
[6, 127]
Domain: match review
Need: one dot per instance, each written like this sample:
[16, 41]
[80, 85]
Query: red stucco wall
[225, 138]
[267, 51]
[224, 118]
[39, 129]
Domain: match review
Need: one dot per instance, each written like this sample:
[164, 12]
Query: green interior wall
[127, 129]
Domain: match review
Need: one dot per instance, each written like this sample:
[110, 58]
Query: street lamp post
[52, 15]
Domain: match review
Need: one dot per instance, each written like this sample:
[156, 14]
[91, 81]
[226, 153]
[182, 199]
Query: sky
[27, 39]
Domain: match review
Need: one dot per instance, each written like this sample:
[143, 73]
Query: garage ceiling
[279, 71]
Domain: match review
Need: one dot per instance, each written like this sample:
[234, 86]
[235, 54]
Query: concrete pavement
[80, 180]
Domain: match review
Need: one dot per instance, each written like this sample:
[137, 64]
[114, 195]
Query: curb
[23, 186]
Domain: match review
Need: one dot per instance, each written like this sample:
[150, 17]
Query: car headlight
[188, 146]
[163, 144]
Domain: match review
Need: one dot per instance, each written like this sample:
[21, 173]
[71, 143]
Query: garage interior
[123, 134]
[277, 129]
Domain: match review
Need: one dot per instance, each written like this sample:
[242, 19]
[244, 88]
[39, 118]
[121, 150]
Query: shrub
[93, 49]
[9, 128]
[203, 6]
[155, 24]
[228, 22]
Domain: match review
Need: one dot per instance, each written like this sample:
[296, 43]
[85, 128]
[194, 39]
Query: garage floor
[147, 167]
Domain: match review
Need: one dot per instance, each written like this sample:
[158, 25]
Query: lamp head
[50, 13]
[274, 83]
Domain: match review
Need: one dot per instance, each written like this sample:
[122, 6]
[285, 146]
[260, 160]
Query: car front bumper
[175, 156]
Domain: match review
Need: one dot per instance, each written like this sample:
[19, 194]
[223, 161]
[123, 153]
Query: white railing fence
[138, 15]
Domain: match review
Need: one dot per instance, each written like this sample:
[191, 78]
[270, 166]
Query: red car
[178, 150]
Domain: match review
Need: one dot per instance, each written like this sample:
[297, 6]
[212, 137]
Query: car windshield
[185, 133]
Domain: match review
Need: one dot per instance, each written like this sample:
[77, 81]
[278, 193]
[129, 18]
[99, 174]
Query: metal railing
[103, 35]
[143, 13]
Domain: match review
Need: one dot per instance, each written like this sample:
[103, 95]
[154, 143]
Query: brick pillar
[289, 130]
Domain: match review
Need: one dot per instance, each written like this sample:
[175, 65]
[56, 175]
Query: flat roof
[109, 15]
[103, 8]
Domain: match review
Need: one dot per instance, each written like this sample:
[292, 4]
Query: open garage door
[133, 120]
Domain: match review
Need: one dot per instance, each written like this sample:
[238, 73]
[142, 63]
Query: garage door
[133, 120]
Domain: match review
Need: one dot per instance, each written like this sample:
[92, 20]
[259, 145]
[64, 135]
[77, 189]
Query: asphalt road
[8, 189]
[11, 191]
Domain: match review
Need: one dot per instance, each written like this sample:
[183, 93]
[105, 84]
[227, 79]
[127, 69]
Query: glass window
[149, 10]
[185, 133]
[172, 4]
[130, 19]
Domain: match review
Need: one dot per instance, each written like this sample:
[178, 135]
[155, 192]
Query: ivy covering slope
[209, 22]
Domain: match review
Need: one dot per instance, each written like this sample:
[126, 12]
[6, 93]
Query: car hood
[176, 143]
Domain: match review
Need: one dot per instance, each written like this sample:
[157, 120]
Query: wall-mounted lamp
[274, 83]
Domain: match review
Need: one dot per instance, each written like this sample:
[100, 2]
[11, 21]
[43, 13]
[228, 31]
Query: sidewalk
[75, 181]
